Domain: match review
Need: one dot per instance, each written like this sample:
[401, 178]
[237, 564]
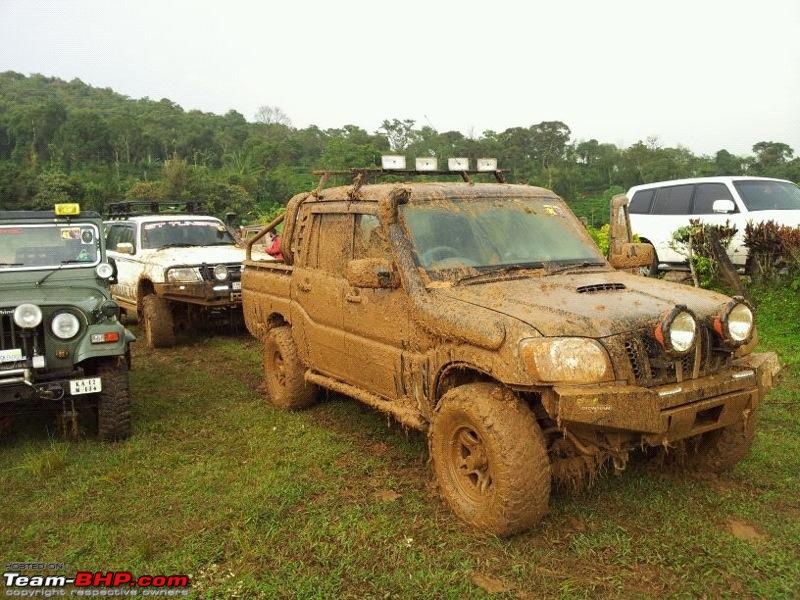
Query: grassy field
[335, 502]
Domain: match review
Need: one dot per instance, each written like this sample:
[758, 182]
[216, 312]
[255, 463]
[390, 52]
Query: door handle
[304, 286]
[355, 298]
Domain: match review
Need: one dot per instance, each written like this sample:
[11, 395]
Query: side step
[405, 414]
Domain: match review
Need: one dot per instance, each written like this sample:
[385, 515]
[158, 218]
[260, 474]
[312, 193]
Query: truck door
[317, 291]
[127, 264]
[377, 325]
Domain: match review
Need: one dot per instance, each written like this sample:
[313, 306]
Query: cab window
[330, 246]
[641, 202]
[706, 194]
[673, 200]
[369, 240]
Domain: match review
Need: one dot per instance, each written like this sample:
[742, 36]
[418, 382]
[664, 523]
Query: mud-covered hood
[577, 305]
[199, 255]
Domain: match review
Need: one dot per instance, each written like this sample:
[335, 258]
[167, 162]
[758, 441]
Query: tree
[400, 134]
[272, 115]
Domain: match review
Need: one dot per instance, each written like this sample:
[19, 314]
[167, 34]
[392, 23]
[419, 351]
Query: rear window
[673, 200]
[641, 202]
[706, 194]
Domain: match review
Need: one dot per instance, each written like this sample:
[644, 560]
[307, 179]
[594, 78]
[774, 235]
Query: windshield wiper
[502, 270]
[177, 246]
[220, 244]
[577, 265]
[58, 268]
[11, 264]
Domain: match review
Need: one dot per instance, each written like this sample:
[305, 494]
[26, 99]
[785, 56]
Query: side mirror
[723, 207]
[375, 273]
[110, 260]
[124, 248]
[631, 255]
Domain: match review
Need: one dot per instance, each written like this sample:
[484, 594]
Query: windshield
[47, 246]
[185, 233]
[492, 233]
[769, 195]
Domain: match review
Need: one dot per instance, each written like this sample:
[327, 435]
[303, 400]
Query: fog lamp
[677, 331]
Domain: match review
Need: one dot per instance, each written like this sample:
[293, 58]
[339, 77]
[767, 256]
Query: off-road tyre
[720, 450]
[158, 324]
[283, 372]
[486, 427]
[114, 401]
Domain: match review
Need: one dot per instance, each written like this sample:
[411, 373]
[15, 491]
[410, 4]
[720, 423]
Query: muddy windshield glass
[484, 234]
[165, 234]
[47, 246]
[769, 195]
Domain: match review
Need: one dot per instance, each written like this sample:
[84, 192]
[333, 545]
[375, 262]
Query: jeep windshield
[456, 239]
[28, 247]
[176, 234]
[769, 195]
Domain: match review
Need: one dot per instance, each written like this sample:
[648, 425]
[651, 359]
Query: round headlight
[27, 316]
[736, 323]
[682, 331]
[677, 331]
[220, 272]
[104, 270]
[65, 325]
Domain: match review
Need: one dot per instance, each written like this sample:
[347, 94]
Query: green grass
[254, 502]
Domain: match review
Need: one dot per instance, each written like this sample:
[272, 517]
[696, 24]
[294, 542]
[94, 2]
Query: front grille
[12, 337]
[650, 365]
[234, 272]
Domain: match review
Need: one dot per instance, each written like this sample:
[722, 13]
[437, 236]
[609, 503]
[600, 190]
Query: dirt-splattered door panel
[377, 321]
[318, 289]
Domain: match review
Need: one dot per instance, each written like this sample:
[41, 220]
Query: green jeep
[62, 346]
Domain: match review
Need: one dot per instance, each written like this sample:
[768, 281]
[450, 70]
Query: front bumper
[205, 293]
[26, 384]
[671, 412]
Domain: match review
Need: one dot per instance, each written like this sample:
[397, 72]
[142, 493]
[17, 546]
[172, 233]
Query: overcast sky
[703, 73]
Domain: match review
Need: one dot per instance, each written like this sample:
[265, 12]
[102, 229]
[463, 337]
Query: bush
[774, 250]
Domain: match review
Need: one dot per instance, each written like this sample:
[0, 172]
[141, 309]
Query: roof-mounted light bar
[458, 164]
[393, 162]
[427, 163]
[487, 165]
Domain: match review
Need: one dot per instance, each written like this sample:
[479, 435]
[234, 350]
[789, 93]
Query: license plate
[90, 385]
[12, 355]
[236, 285]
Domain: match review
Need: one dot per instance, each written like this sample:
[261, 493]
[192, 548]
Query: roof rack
[362, 175]
[138, 208]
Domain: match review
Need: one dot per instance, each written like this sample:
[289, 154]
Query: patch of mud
[745, 531]
[492, 585]
[386, 496]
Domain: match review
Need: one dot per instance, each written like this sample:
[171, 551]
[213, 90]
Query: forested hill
[64, 140]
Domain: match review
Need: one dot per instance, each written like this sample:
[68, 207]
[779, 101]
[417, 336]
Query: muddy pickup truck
[483, 314]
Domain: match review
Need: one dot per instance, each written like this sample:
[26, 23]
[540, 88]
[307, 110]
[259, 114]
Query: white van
[658, 209]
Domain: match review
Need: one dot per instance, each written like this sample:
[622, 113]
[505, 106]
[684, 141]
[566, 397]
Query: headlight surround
[220, 272]
[104, 270]
[566, 360]
[183, 275]
[65, 325]
[677, 331]
[735, 324]
[27, 316]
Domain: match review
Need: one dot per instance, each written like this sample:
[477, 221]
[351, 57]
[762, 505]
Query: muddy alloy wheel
[283, 372]
[489, 458]
[159, 329]
[719, 450]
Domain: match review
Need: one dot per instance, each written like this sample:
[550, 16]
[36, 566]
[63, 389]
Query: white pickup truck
[174, 270]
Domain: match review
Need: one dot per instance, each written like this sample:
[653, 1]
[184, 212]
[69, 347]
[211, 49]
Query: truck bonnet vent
[599, 287]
